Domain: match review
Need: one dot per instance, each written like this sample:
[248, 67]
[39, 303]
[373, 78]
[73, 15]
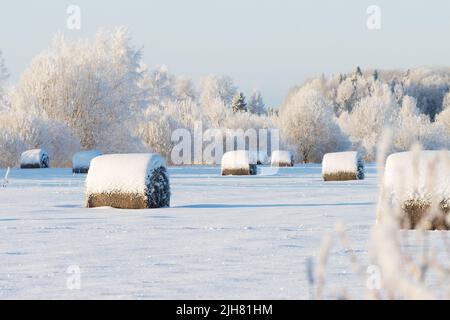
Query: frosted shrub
[11, 146]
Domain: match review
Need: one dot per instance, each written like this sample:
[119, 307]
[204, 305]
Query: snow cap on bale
[240, 162]
[128, 181]
[282, 158]
[417, 182]
[82, 160]
[342, 166]
[36, 158]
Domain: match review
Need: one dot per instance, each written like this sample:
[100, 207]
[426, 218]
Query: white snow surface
[235, 237]
[239, 159]
[410, 175]
[121, 172]
[281, 156]
[32, 156]
[83, 159]
[340, 162]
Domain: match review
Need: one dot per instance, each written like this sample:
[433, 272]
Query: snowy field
[223, 237]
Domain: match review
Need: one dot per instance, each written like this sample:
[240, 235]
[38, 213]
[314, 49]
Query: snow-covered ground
[223, 237]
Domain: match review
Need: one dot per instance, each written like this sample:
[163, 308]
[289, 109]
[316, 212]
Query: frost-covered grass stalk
[5, 179]
[317, 273]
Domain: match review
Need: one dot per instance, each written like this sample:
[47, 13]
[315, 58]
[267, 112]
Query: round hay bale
[128, 181]
[34, 159]
[419, 184]
[343, 166]
[239, 163]
[282, 158]
[81, 161]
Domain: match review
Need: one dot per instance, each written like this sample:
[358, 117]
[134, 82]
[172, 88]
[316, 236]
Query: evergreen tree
[256, 103]
[375, 75]
[239, 104]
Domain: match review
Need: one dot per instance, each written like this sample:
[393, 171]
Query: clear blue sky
[271, 45]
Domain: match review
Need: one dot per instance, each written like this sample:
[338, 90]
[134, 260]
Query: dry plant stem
[322, 265]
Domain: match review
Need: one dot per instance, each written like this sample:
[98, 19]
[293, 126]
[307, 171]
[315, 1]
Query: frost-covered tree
[444, 119]
[308, 125]
[3, 77]
[213, 87]
[184, 89]
[159, 83]
[413, 127]
[365, 123]
[239, 104]
[446, 101]
[428, 87]
[256, 103]
[93, 87]
[164, 87]
[351, 90]
[409, 126]
[156, 131]
[215, 114]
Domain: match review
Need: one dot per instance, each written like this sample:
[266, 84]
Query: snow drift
[282, 159]
[128, 181]
[240, 162]
[342, 166]
[33, 159]
[82, 160]
[419, 183]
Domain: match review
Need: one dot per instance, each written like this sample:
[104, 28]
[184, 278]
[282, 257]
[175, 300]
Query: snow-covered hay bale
[342, 166]
[128, 181]
[34, 159]
[82, 160]
[419, 184]
[239, 163]
[282, 158]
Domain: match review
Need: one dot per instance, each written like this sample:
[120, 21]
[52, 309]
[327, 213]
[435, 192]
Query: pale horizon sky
[270, 45]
